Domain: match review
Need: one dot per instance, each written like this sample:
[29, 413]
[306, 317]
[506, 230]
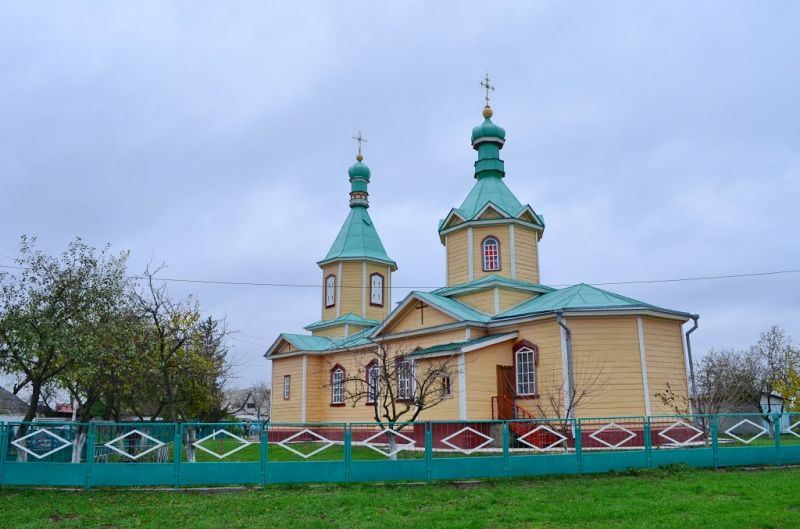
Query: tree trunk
[77, 445]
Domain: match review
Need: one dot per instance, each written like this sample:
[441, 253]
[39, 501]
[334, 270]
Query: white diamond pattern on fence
[467, 451]
[561, 438]
[54, 436]
[680, 424]
[397, 446]
[156, 444]
[791, 429]
[328, 443]
[243, 443]
[730, 430]
[611, 427]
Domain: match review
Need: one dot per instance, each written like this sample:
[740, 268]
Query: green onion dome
[487, 129]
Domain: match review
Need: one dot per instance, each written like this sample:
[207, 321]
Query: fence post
[178, 453]
[777, 418]
[348, 451]
[263, 453]
[3, 452]
[90, 442]
[648, 442]
[714, 441]
[506, 443]
[578, 445]
[429, 450]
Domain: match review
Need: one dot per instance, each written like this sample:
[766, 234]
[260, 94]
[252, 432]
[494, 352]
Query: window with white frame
[373, 381]
[525, 361]
[404, 379]
[491, 254]
[287, 386]
[337, 386]
[330, 290]
[446, 390]
[376, 290]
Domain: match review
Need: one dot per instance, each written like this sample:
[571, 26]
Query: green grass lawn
[676, 498]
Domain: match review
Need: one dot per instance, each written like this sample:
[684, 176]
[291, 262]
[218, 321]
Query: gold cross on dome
[360, 140]
[488, 87]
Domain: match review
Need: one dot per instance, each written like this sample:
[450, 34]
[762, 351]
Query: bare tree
[560, 400]
[397, 385]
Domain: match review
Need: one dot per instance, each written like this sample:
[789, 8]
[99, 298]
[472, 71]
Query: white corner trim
[363, 290]
[643, 359]
[446, 262]
[388, 304]
[462, 388]
[496, 301]
[468, 333]
[339, 291]
[346, 330]
[303, 390]
[470, 256]
[564, 365]
[512, 251]
[536, 249]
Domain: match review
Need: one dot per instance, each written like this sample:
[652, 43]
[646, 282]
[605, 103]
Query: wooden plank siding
[481, 376]
[287, 410]
[511, 298]
[665, 360]
[607, 349]
[526, 248]
[410, 319]
[457, 257]
[482, 301]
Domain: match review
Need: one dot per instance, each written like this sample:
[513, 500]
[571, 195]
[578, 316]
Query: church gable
[417, 314]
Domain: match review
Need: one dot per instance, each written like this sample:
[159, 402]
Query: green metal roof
[579, 297]
[349, 318]
[456, 346]
[490, 189]
[491, 281]
[358, 239]
[354, 340]
[456, 308]
[305, 342]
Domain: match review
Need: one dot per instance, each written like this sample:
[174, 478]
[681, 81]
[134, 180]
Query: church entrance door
[505, 392]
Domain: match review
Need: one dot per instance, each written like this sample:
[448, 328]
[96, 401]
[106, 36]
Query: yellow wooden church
[519, 348]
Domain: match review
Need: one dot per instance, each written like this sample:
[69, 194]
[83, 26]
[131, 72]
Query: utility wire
[314, 285]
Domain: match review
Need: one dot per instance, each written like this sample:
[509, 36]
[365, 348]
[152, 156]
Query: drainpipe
[570, 370]
[694, 317]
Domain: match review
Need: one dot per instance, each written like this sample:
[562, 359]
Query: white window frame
[376, 291]
[493, 241]
[525, 371]
[405, 379]
[373, 382]
[337, 386]
[330, 291]
[287, 387]
[447, 387]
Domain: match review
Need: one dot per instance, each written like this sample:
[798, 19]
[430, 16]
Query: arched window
[373, 381]
[337, 385]
[490, 250]
[376, 290]
[525, 364]
[330, 291]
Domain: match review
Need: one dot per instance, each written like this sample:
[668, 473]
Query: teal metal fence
[101, 454]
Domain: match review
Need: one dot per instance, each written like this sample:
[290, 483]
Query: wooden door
[505, 392]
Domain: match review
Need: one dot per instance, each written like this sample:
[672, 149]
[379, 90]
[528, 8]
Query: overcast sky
[659, 140]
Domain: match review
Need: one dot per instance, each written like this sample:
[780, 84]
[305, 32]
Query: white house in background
[250, 404]
[12, 408]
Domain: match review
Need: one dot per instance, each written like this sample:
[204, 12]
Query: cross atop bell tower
[488, 87]
[360, 140]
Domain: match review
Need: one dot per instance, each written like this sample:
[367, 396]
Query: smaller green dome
[359, 170]
[487, 129]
